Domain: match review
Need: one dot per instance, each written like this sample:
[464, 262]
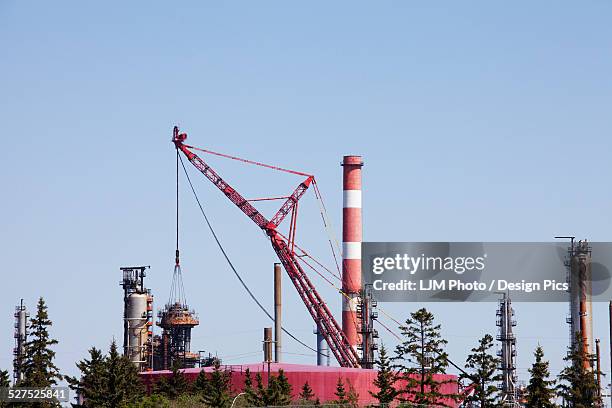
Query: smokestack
[267, 344]
[351, 246]
[322, 349]
[277, 313]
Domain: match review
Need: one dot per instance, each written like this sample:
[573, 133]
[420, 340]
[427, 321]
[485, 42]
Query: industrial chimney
[351, 246]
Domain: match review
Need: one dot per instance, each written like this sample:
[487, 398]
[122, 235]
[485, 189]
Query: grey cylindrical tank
[137, 325]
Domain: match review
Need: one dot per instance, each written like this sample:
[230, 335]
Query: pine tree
[200, 383]
[261, 390]
[251, 395]
[174, 385]
[482, 367]
[306, 395]
[4, 382]
[123, 385]
[385, 379]
[352, 396]
[340, 392]
[39, 369]
[578, 387]
[217, 393]
[279, 390]
[91, 384]
[4, 378]
[423, 346]
[540, 393]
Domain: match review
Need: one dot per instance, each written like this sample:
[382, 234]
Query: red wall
[322, 380]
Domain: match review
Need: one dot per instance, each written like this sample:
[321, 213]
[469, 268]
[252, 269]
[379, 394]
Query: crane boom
[335, 337]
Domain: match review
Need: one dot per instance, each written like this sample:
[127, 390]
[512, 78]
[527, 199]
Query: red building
[322, 379]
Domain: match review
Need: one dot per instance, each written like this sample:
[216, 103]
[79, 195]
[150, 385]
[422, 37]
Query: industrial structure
[137, 317]
[344, 350]
[21, 337]
[580, 319]
[351, 247]
[507, 351]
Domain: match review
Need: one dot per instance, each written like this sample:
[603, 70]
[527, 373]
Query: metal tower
[137, 317]
[365, 318]
[507, 352]
[21, 336]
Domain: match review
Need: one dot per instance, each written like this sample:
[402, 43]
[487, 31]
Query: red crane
[284, 248]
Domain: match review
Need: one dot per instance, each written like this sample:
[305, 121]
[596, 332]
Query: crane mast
[335, 337]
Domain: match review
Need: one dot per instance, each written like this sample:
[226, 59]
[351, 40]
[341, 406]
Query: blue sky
[477, 121]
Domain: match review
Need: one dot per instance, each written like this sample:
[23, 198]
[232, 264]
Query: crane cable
[244, 285]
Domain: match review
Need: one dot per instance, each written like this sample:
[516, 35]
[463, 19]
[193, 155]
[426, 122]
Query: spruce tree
[200, 383]
[251, 395]
[4, 378]
[4, 382]
[578, 387]
[540, 393]
[217, 393]
[174, 385]
[352, 396]
[279, 390]
[340, 392]
[91, 385]
[123, 385]
[482, 367]
[39, 369]
[385, 379]
[306, 395]
[423, 347]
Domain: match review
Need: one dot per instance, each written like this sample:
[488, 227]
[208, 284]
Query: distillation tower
[507, 352]
[21, 337]
[137, 317]
[176, 320]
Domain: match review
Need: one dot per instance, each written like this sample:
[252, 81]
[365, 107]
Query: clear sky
[478, 121]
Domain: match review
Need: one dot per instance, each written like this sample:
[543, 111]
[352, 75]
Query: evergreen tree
[217, 393]
[352, 396]
[174, 385]
[540, 393]
[200, 383]
[306, 395]
[340, 392]
[4, 382]
[91, 384]
[39, 369]
[123, 385]
[578, 387]
[385, 379]
[261, 390]
[279, 390]
[423, 347]
[251, 394]
[4, 378]
[482, 367]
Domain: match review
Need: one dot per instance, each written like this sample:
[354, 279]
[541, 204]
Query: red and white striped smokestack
[351, 246]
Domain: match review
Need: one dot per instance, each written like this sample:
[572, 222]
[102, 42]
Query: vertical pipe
[610, 324]
[267, 344]
[351, 246]
[322, 349]
[598, 366]
[277, 313]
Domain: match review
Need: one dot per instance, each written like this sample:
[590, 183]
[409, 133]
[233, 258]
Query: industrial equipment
[137, 317]
[345, 352]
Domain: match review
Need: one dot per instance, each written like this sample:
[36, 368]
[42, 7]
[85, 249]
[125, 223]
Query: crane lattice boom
[335, 337]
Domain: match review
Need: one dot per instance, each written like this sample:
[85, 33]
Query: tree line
[411, 376]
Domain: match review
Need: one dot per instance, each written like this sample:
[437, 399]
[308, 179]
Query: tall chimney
[351, 246]
[277, 313]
